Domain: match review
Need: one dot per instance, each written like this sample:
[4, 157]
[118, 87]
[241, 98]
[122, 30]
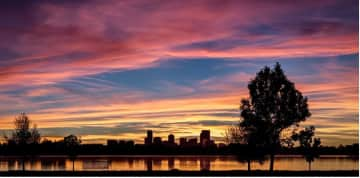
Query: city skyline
[204, 137]
[114, 69]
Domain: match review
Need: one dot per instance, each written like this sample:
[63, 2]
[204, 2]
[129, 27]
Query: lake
[188, 162]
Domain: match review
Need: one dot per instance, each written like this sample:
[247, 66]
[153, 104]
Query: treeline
[129, 148]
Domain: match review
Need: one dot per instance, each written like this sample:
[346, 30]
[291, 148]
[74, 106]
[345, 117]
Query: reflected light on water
[148, 163]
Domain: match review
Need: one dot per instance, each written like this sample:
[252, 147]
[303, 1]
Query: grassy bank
[180, 173]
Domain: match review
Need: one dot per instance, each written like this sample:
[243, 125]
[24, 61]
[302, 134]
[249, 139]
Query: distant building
[122, 142]
[221, 145]
[146, 142]
[192, 141]
[182, 141]
[205, 138]
[157, 140]
[130, 143]
[111, 142]
[171, 139]
[149, 139]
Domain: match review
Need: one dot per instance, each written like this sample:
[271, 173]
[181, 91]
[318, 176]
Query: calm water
[119, 163]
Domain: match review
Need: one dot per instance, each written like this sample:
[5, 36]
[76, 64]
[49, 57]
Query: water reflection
[157, 163]
[150, 163]
[61, 164]
[171, 163]
[205, 164]
[96, 164]
[47, 164]
[11, 165]
[131, 163]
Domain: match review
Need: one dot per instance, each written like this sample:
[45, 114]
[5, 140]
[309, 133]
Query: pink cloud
[136, 34]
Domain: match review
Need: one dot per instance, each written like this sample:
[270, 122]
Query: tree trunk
[271, 162]
[249, 165]
[309, 165]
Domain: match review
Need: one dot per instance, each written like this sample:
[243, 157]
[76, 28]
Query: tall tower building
[149, 137]
[171, 139]
[205, 137]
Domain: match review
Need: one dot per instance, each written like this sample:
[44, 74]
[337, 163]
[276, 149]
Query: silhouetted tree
[238, 135]
[273, 106]
[24, 137]
[23, 134]
[308, 145]
[235, 135]
[353, 151]
[72, 144]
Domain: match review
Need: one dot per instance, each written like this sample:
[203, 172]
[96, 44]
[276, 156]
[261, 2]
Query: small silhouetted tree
[25, 138]
[274, 105]
[308, 145]
[235, 135]
[72, 144]
[253, 152]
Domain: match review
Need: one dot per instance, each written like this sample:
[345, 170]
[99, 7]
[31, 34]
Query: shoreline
[162, 155]
[180, 173]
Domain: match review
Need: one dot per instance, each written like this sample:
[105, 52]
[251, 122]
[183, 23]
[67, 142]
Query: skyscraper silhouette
[149, 138]
[205, 137]
[171, 139]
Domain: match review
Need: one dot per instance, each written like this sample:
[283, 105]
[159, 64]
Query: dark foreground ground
[180, 173]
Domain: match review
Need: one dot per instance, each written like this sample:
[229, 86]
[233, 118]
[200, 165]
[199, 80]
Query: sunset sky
[113, 69]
